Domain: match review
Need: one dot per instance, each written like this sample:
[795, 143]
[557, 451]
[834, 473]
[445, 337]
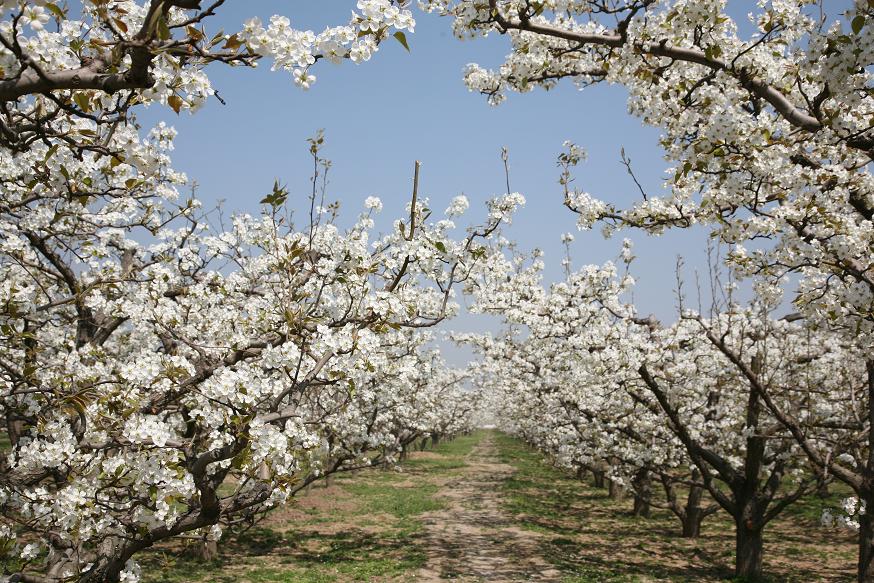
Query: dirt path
[472, 539]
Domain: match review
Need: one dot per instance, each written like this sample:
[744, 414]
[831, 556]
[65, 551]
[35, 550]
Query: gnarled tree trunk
[642, 485]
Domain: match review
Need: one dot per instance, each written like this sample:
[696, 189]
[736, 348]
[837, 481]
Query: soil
[472, 539]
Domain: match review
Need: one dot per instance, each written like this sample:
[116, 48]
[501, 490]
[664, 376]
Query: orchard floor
[486, 508]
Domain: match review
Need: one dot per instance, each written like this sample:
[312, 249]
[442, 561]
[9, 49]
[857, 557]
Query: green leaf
[51, 152]
[163, 29]
[82, 101]
[277, 197]
[713, 52]
[440, 246]
[858, 23]
[402, 38]
[59, 14]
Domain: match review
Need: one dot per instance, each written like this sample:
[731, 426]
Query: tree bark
[866, 543]
[614, 490]
[748, 552]
[693, 514]
[209, 550]
[597, 479]
[692, 523]
[642, 493]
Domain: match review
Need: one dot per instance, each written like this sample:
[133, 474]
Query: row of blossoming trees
[164, 376]
[771, 143]
[165, 373]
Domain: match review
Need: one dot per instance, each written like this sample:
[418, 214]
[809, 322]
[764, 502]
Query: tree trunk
[692, 523]
[748, 552]
[642, 493]
[209, 550]
[866, 546]
[14, 429]
[614, 490]
[597, 479]
[641, 507]
[866, 493]
[693, 513]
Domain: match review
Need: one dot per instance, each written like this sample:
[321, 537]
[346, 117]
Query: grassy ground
[367, 527]
[595, 539]
[362, 527]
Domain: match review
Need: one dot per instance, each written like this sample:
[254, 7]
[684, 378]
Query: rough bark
[866, 542]
[693, 514]
[598, 478]
[614, 490]
[748, 552]
[642, 485]
[209, 550]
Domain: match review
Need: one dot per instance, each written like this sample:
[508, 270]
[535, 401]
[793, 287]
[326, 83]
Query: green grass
[399, 502]
[810, 508]
[378, 512]
[460, 446]
[366, 528]
[591, 538]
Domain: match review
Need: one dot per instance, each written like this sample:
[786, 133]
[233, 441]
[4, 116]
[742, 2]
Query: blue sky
[381, 116]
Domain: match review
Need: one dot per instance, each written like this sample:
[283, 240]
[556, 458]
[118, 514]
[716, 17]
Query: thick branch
[797, 117]
[92, 75]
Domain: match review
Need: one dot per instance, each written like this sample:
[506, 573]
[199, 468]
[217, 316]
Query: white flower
[458, 206]
[303, 79]
[131, 573]
[373, 203]
[30, 551]
[35, 16]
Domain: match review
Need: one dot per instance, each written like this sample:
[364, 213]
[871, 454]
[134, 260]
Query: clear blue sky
[381, 116]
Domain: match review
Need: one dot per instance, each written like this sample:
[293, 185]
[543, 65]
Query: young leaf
[59, 14]
[82, 101]
[233, 43]
[163, 29]
[402, 38]
[175, 102]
